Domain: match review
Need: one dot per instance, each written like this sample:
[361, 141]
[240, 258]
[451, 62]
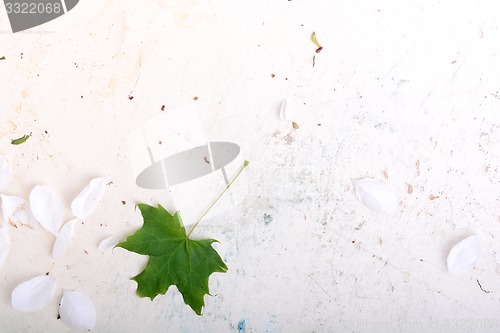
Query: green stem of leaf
[245, 164]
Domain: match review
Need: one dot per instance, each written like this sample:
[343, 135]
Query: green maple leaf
[174, 259]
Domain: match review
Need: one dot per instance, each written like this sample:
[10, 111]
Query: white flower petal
[89, 199]
[34, 294]
[4, 245]
[47, 208]
[464, 255]
[376, 195]
[64, 238]
[283, 115]
[5, 172]
[77, 311]
[108, 243]
[16, 210]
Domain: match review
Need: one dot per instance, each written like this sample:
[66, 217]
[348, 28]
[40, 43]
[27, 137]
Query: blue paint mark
[241, 326]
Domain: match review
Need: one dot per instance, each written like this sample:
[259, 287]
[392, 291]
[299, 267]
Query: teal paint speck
[241, 326]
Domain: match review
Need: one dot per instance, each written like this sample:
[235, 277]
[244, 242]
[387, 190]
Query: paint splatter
[267, 218]
[242, 325]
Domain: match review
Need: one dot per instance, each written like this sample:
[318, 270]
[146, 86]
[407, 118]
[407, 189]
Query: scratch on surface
[320, 287]
[367, 297]
[424, 282]
[12, 129]
[486, 291]
[137, 70]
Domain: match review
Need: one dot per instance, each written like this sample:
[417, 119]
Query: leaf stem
[245, 164]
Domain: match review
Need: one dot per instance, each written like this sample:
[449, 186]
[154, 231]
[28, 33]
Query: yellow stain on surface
[12, 128]
[18, 107]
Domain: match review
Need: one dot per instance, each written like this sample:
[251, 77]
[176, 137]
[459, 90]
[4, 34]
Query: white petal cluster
[464, 256]
[46, 208]
[376, 195]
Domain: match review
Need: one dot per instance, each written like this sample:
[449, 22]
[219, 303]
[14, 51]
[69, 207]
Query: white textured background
[398, 84]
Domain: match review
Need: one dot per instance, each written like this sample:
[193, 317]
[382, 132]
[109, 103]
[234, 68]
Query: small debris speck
[195, 98]
[295, 125]
[130, 97]
[163, 107]
[123, 202]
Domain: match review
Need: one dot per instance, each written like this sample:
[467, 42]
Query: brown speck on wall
[409, 189]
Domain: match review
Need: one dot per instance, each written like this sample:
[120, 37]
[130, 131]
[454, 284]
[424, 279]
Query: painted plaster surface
[406, 92]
